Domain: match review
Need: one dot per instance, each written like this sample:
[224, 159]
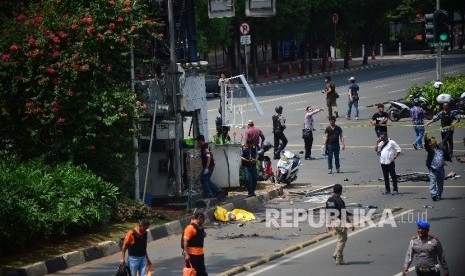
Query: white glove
[206, 171]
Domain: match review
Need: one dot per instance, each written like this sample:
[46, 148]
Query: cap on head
[200, 137]
[199, 214]
[351, 79]
[423, 224]
[250, 123]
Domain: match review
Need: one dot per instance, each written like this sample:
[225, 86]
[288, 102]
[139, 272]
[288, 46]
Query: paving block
[109, 247]
[174, 227]
[159, 232]
[74, 258]
[92, 253]
[55, 264]
[36, 269]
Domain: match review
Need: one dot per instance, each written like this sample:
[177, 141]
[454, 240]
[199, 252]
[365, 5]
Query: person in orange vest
[192, 243]
[135, 242]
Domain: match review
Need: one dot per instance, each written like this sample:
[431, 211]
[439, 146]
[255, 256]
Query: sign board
[244, 28]
[439, 44]
[245, 40]
[335, 18]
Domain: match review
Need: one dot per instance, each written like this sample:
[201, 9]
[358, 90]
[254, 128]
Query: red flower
[63, 35]
[99, 35]
[56, 53]
[122, 39]
[32, 41]
[144, 106]
[74, 26]
[56, 106]
[86, 20]
[37, 110]
[61, 120]
[30, 104]
[14, 47]
[120, 19]
[5, 57]
[20, 17]
[71, 93]
[111, 25]
[56, 39]
[51, 70]
[111, 2]
[90, 30]
[124, 114]
[127, 10]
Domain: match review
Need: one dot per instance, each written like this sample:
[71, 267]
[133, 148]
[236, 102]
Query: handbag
[188, 271]
[337, 95]
[306, 133]
[123, 270]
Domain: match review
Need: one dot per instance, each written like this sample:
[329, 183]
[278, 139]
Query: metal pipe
[150, 151]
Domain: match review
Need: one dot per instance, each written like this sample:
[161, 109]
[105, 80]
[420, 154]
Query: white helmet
[438, 85]
[462, 97]
[444, 98]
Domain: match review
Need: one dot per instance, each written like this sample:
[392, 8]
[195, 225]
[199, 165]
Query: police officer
[249, 156]
[449, 119]
[428, 252]
[192, 243]
[279, 125]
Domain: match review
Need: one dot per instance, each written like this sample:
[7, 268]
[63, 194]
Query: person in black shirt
[335, 206]
[333, 134]
[379, 120]
[249, 156]
[279, 125]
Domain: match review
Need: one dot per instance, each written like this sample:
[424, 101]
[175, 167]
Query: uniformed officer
[428, 252]
[279, 125]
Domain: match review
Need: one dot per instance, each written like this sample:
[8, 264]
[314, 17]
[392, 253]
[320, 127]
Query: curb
[107, 248]
[267, 258]
[314, 75]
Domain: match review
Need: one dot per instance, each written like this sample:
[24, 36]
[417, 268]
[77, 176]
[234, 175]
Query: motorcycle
[288, 167]
[399, 110]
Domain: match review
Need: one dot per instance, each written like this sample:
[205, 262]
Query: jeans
[349, 111]
[389, 169]
[448, 137]
[279, 136]
[251, 177]
[419, 133]
[308, 145]
[436, 181]
[333, 150]
[209, 188]
[138, 264]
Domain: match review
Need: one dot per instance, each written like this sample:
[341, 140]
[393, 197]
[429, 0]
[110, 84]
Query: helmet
[462, 97]
[437, 85]
[267, 146]
[444, 98]
[278, 109]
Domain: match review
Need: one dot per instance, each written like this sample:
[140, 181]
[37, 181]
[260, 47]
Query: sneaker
[338, 171]
[415, 146]
[386, 192]
[356, 118]
[434, 198]
[395, 193]
[330, 171]
[337, 114]
[348, 117]
[342, 263]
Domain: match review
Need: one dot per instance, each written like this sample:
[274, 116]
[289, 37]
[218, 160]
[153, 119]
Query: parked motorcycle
[288, 167]
[399, 110]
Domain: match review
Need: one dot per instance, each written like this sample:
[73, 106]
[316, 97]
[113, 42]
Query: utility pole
[439, 54]
[173, 69]
[135, 142]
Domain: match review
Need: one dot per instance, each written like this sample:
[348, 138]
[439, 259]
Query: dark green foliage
[130, 209]
[40, 201]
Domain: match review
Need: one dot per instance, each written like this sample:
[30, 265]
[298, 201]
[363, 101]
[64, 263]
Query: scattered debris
[428, 206]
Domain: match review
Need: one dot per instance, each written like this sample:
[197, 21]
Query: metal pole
[246, 63]
[400, 49]
[335, 44]
[177, 150]
[135, 142]
[381, 50]
[363, 50]
[439, 52]
[150, 152]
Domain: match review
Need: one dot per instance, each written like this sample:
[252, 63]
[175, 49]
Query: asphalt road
[374, 251]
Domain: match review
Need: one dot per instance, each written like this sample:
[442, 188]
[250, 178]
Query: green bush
[453, 86]
[130, 209]
[41, 201]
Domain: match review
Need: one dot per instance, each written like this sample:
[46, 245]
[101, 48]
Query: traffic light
[441, 26]
[430, 27]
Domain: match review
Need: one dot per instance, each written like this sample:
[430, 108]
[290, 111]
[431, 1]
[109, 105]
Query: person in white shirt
[307, 132]
[388, 150]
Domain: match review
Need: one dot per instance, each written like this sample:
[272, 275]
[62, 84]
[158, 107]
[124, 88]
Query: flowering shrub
[64, 82]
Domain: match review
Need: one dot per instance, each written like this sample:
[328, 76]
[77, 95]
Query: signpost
[244, 29]
[335, 19]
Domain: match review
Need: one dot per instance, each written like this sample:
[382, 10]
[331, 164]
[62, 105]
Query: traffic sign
[244, 28]
[335, 18]
[439, 44]
[245, 40]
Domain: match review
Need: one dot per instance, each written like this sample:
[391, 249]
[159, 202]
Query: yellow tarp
[222, 214]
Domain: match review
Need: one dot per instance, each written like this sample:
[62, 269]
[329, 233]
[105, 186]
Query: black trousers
[431, 273]
[308, 145]
[390, 169]
[198, 262]
[448, 138]
[279, 136]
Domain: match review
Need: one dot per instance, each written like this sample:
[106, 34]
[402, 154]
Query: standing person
[379, 120]
[353, 98]
[435, 161]
[135, 242]
[427, 251]
[331, 97]
[249, 156]
[279, 125]
[307, 133]
[448, 119]
[333, 134]
[388, 150]
[255, 134]
[193, 240]
[210, 189]
[417, 114]
[335, 202]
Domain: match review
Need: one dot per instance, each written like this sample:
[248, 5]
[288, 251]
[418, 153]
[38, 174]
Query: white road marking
[409, 270]
[273, 91]
[299, 102]
[395, 91]
[416, 79]
[381, 86]
[316, 248]
[382, 72]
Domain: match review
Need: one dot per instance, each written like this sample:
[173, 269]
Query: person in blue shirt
[353, 98]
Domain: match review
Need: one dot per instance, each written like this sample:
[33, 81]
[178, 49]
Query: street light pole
[439, 52]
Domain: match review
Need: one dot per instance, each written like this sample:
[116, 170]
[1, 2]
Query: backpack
[123, 270]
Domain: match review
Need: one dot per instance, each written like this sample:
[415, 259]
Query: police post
[244, 29]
